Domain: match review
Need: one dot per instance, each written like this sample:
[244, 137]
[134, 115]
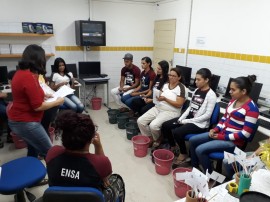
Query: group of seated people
[163, 121]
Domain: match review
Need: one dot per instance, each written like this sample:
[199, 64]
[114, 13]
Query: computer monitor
[89, 68]
[214, 82]
[3, 75]
[186, 73]
[254, 93]
[70, 67]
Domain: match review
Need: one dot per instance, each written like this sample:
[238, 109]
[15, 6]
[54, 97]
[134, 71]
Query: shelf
[24, 35]
[19, 55]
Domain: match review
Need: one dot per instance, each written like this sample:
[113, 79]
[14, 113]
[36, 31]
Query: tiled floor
[143, 184]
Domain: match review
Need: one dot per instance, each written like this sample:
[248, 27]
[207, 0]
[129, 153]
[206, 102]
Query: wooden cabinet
[23, 36]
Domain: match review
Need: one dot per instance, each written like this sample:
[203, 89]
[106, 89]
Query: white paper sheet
[61, 92]
[156, 93]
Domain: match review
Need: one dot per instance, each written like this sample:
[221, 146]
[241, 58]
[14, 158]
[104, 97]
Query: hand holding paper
[63, 91]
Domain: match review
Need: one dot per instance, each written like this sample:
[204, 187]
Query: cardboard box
[28, 27]
[44, 28]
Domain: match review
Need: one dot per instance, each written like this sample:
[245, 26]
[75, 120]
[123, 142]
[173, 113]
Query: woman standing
[64, 77]
[26, 111]
[147, 79]
[234, 128]
[196, 118]
[170, 102]
[145, 102]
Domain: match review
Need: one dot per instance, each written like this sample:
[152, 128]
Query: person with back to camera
[26, 110]
[195, 119]
[234, 128]
[170, 101]
[63, 77]
[147, 79]
[145, 102]
[130, 79]
[89, 169]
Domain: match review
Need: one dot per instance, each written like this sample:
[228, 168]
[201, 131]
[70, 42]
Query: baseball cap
[128, 56]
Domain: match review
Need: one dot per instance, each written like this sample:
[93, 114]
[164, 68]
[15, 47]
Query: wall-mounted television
[90, 33]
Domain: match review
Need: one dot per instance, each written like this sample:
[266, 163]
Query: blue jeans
[202, 145]
[3, 113]
[74, 103]
[127, 99]
[34, 135]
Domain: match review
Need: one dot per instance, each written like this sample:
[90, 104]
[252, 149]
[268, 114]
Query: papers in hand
[63, 91]
[156, 93]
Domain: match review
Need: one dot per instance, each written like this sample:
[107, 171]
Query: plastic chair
[19, 174]
[219, 156]
[71, 194]
[213, 120]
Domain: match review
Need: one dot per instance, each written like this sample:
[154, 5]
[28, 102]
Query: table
[260, 182]
[95, 81]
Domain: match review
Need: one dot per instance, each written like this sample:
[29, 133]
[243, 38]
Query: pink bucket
[19, 143]
[180, 187]
[163, 161]
[51, 133]
[140, 145]
[96, 103]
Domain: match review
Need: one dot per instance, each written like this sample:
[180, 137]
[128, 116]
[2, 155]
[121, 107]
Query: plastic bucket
[132, 129]
[140, 145]
[122, 119]
[163, 161]
[19, 143]
[180, 187]
[96, 103]
[112, 113]
[51, 133]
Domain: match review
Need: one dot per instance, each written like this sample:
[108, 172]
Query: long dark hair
[164, 65]
[57, 61]
[205, 74]
[77, 129]
[34, 59]
[245, 82]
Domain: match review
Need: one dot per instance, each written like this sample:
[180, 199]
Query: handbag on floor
[115, 192]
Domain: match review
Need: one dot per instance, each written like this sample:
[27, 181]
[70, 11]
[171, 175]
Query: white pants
[116, 95]
[150, 122]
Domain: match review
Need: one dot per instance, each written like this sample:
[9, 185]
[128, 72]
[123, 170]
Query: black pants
[177, 132]
[48, 117]
[139, 105]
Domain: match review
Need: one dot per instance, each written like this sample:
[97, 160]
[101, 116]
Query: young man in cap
[130, 79]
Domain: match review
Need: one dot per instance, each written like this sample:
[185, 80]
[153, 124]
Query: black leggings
[139, 105]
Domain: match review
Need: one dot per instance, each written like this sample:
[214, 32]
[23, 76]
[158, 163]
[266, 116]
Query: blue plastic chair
[19, 174]
[219, 156]
[71, 194]
[213, 120]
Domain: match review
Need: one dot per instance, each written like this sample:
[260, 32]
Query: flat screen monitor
[186, 73]
[70, 67]
[254, 93]
[89, 68]
[214, 83]
[3, 75]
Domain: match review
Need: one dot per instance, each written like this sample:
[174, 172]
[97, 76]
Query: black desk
[95, 81]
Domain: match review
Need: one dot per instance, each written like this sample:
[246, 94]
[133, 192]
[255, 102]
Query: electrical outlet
[88, 48]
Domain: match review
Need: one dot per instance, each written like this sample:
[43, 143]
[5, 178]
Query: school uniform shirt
[27, 96]
[146, 77]
[172, 94]
[76, 169]
[238, 124]
[131, 74]
[201, 107]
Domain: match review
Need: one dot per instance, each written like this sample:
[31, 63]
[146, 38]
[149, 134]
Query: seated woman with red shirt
[73, 165]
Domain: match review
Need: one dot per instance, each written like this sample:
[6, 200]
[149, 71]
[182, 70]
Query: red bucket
[163, 161]
[180, 187]
[51, 133]
[140, 145]
[19, 143]
[96, 103]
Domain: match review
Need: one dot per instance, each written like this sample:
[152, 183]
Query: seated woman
[195, 119]
[234, 128]
[73, 165]
[170, 102]
[64, 77]
[145, 102]
[147, 79]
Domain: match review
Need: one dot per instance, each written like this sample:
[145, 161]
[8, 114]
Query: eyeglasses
[96, 128]
[171, 75]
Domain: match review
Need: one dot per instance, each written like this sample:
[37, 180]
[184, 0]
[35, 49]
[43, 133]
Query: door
[164, 41]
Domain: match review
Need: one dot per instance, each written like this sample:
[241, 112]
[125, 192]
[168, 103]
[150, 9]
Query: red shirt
[27, 96]
[131, 74]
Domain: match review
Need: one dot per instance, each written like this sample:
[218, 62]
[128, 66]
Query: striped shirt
[238, 124]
